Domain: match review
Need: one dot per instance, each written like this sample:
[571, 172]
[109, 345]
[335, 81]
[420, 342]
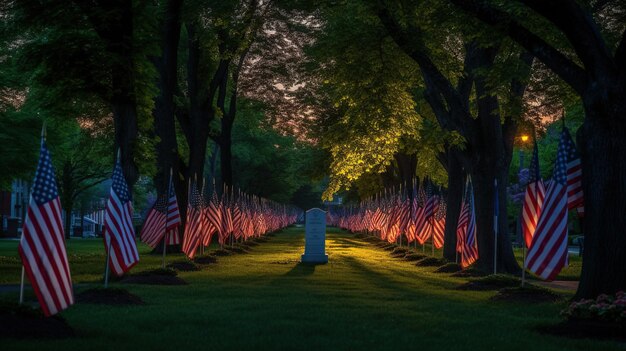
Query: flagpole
[523, 263]
[106, 267]
[167, 202]
[22, 278]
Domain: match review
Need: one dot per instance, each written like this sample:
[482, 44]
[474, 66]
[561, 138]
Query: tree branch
[570, 72]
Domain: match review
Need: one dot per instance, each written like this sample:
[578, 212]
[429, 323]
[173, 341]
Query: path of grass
[363, 299]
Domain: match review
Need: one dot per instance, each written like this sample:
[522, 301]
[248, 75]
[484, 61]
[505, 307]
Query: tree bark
[456, 182]
[601, 140]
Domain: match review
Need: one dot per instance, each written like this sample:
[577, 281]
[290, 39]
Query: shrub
[605, 308]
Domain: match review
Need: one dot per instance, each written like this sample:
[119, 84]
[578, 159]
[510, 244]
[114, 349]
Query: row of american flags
[234, 216]
[422, 216]
[42, 245]
[419, 218]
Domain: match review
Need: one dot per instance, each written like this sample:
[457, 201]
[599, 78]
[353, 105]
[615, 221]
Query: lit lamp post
[524, 138]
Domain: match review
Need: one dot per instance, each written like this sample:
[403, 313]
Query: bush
[605, 308]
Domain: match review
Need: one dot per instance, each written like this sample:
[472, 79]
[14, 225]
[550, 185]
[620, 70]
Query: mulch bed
[260, 240]
[382, 244]
[154, 277]
[449, 268]
[414, 256]
[490, 282]
[108, 296]
[469, 272]
[250, 243]
[527, 294]
[183, 266]
[389, 247]
[430, 262]
[586, 329]
[236, 249]
[371, 239]
[222, 252]
[25, 322]
[400, 250]
[205, 259]
[360, 235]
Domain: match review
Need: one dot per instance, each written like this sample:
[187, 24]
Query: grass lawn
[266, 300]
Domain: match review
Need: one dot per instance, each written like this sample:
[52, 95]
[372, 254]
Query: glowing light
[524, 138]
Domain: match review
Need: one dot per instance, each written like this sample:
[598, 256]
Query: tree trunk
[456, 182]
[407, 165]
[226, 154]
[123, 102]
[164, 126]
[601, 141]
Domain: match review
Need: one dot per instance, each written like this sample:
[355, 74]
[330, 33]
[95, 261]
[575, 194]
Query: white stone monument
[315, 237]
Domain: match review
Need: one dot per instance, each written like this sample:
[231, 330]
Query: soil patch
[586, 329]
[430, 262]
[469, 272]
[491, 282]
[414, 256]
[108, 296]
[155, 277]
[371, 239]
[527, 294]
[222, 252]
[25, 322]
[400, 250]
[250, 243]
[260, 240]
[389, 247]
[183, 266]
[205, 259]
[449, 268]
[236, 249]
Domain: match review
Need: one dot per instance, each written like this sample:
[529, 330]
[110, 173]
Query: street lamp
[524, 139]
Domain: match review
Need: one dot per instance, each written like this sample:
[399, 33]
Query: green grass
[267, 300]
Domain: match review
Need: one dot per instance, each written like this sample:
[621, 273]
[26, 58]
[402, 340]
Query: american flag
[193, 229]
[575, 196]
[154, 227]
[42, 246]
[439, 223]
[119, 234]
[214, 217]
[461, 226]
[425, 231]
[533, 199]
[466, 229]
[547, 254]
[173, 217]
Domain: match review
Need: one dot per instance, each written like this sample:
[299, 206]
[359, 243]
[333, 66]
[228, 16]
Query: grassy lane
[266, 300]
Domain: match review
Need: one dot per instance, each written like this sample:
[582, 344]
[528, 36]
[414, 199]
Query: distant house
[13, 207]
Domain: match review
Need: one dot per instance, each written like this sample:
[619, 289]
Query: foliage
[268, 163]
[370, 85]
[605, 308]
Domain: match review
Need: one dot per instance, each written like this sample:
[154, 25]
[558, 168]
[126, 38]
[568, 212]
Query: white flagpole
[22, 287]
[106, 267]
[495, 229]
[43, 139]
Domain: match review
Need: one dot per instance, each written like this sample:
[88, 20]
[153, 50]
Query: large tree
[589, 54]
